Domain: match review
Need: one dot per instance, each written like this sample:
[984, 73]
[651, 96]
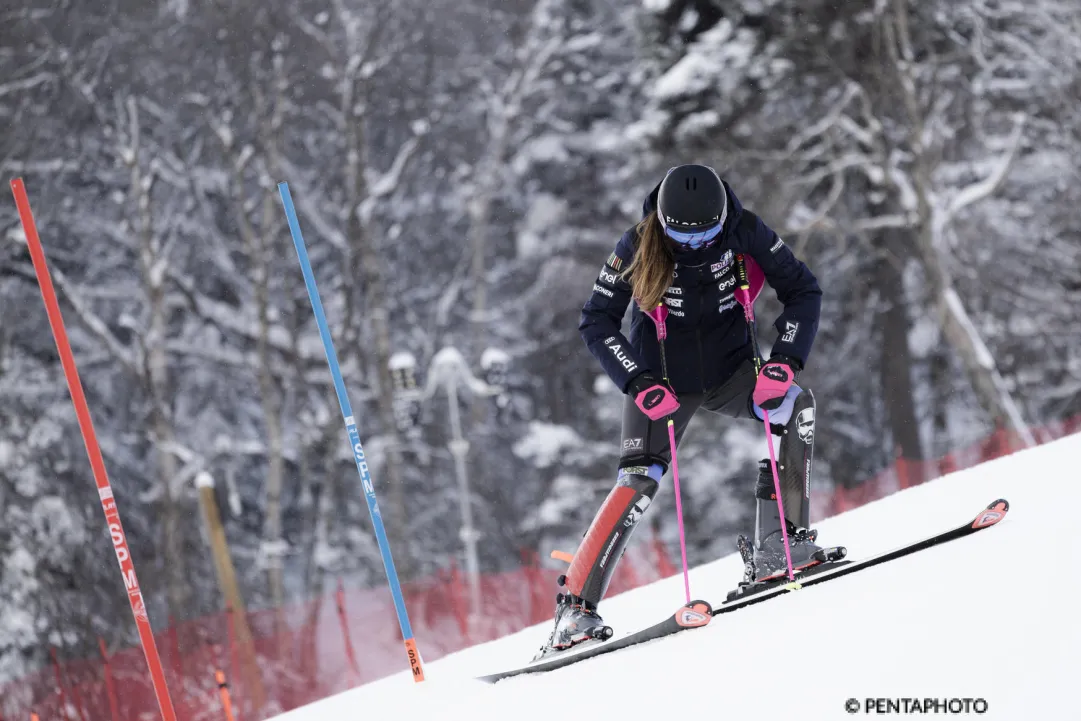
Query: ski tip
[694, 614]
[994, 513]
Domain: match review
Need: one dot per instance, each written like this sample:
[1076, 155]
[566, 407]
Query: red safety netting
[308, 651]
[907, 473]
[303, 652]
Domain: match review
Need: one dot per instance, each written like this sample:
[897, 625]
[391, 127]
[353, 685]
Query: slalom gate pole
[415, 662]
[93, 450]
[223, 690]
[745, 299]
[658, 316]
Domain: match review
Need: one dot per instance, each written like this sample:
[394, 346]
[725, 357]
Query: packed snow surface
[994, 616]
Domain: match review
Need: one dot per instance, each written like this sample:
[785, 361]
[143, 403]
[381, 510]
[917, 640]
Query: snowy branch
[382, 185]
[310, 209]
[986, 187]
[92, 322]
[24, 84]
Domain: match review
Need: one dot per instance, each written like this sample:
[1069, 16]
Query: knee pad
[779, 417]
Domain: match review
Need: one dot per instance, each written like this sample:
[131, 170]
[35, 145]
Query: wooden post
[223, 565]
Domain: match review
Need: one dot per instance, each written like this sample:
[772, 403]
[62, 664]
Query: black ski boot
[576, 621]
[769, 556]
[764, 559]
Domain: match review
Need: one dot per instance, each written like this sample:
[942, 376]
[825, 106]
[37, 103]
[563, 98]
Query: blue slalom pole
[415, 663]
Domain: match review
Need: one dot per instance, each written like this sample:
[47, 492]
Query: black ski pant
[645, 442]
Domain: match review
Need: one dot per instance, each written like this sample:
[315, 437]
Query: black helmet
[692, 204]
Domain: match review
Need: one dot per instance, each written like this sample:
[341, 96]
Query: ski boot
[576, 622]
[765, 566]
[768, 556]
[764, 561]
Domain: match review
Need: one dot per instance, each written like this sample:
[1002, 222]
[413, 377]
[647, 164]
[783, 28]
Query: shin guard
[794, 460]
[596, 559]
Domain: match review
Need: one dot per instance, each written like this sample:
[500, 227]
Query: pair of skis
[699, 613]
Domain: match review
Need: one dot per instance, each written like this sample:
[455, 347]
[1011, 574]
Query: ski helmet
[692, 205]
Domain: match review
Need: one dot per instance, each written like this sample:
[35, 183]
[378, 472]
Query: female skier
[686, 254]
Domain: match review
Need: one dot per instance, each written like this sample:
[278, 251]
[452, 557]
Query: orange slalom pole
[223, 688]
[93, 450]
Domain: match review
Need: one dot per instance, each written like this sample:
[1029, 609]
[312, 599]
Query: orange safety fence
[311, 650]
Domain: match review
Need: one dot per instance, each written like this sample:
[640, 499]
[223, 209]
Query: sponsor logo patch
[727, 283]
[987, 518]
[777, 246]
[776, 372]
[805, 425]
[608, 551]
[689, 618]
[723, 263]
[727, 306]
[617, 350]
[602, 290]
[633, 444]
[607, 277]
[636, 511]
[791, 329]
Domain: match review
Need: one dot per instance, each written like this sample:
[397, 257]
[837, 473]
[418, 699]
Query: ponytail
[650, 272]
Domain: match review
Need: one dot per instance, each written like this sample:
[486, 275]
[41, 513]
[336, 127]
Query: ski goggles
[694, 239]
[701, 239]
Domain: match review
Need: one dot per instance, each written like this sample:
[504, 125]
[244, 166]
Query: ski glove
[774, 380]
[654, 398]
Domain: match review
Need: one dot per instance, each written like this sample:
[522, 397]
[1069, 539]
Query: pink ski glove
[654, 399]
[773, 383]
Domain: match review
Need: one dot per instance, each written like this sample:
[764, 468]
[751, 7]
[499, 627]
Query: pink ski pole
[658, 315]
[746, 298]
[777, 492]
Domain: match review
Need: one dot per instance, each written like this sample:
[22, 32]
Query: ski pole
[658, 315]
[415, 663]
[743, 295]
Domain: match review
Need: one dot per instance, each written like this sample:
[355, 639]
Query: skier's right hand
[652, 397]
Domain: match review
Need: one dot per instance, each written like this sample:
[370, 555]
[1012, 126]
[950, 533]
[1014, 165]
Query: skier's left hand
[774, 380]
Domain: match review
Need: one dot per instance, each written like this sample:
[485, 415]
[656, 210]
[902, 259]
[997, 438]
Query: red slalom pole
[93, 450]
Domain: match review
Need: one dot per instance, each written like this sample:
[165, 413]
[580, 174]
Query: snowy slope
[993, 616]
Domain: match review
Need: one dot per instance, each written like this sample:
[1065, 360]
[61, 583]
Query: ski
[692, 615]
[988, 517]
[699, 613]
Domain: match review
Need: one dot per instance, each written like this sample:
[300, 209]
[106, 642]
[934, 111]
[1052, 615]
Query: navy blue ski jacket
[708, 337]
